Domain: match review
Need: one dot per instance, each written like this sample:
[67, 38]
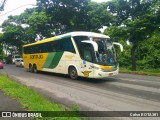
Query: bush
[148, 53]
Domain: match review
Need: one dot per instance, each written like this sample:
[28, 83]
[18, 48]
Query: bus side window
[26, 50]
[45, 47]
[68, 45]
[51, 47]
[58, 46]
[31, 50]
[39, 49]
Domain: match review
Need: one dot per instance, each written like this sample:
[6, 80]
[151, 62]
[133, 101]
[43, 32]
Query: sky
[13, 7]
[17, 7]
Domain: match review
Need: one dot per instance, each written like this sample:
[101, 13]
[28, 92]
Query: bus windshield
[104, 56]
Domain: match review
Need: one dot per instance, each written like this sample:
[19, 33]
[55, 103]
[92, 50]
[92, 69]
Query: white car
[19, 63]
[15, 57]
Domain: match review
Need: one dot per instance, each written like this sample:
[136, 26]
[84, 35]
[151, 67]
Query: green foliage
[150, 52]
[75, 107]
[66, 15]
[1, 47]
[154, 72]
[16, 32]
[38, 22]
[98, 16]
[13, 36]
[124, 57]
[118, 35]
[27, 98]
[135, 21]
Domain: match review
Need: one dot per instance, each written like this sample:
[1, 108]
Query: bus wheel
[73, 73]
[35, 68]
[30, 68]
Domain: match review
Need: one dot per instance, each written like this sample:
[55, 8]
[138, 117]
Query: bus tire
[35, 68]
[73, 73]
[30, 68]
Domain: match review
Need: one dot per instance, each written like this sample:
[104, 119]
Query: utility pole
[2, 4]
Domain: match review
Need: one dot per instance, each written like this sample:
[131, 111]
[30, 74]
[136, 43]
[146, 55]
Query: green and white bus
[84, 54]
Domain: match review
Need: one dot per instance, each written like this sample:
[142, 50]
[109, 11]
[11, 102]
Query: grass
[29, 99]
[153, 72]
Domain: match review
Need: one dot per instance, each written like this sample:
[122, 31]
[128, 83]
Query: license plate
[110, 74]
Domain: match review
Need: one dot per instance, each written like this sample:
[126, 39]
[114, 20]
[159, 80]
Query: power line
[16, 9]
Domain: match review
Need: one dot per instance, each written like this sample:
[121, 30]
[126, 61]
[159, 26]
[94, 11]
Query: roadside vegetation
[151, 72]
[135, 21]
[147, 57]
[30, 100]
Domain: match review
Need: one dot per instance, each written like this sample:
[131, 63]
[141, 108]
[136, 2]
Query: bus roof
[90, 34]
[81, 33]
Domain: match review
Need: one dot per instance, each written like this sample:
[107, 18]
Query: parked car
[15, 57]
[1, 65]
[19, 63]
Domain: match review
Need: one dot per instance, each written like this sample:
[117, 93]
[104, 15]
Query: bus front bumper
[101, 74]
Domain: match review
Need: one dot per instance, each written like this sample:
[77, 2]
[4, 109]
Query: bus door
[87, 60]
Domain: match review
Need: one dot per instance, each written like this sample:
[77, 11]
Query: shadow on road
[81, 79]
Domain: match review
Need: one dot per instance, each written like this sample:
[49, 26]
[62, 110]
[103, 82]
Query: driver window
[87, 54]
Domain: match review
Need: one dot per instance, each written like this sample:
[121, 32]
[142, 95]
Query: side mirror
[120, 45]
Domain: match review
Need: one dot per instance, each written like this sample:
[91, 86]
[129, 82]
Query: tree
[13, 37]
[135, 20]
[39, 23]
[98, 16]
[66, 15]
[20, 29]
[150, 52]
[14, 34]
[1, 46]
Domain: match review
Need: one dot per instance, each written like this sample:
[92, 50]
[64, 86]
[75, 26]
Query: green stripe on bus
[52, 60]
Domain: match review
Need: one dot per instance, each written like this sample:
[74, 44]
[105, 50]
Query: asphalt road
[124, 92]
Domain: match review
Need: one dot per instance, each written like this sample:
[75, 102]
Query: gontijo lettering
[36, 56]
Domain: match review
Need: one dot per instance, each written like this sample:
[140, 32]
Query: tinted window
[53, 46]
[78, 42]
[68, 45]
[87, 50]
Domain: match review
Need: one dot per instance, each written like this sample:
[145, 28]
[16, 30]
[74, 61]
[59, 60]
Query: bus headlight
[104, 68]
[108, 68]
